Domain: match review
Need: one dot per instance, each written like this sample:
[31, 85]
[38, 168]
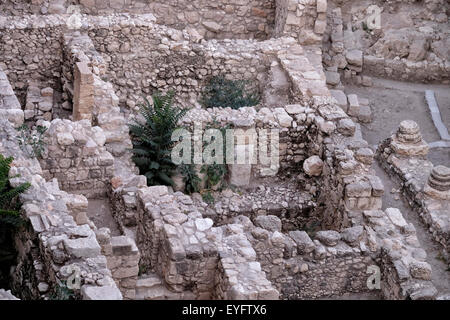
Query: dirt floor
[394, 101]
[99, 211]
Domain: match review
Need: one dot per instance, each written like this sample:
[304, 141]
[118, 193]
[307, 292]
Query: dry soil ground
[394, 101]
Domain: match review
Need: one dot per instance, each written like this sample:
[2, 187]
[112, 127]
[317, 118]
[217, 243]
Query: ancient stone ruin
[357, 205]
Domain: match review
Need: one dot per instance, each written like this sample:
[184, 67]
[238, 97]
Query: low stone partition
[239, 275]
[10, 108]
[290, 204]
[38, 103]
[122, 257]
[183, 248]
[53, 248]
[404, 270]
[6, 295]
[174, 241]
[75, 154]
[301, 268]
[426, 187]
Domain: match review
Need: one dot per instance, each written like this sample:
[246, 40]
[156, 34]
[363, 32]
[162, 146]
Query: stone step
[149, 281]
[152, 287]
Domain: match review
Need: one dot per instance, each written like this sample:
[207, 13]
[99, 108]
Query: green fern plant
[152, 142]
[9, 205]
[221, 92]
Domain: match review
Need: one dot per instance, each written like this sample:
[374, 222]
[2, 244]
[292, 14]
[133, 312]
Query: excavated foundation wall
[57, 243]
[395, 50]
[218, 19]
[30, 52]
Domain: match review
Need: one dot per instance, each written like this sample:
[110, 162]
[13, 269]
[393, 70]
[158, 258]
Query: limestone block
[341, 99]
[65, 138]
[100, 293]
[332, 78]
[83, 100]
[355, 57]
[303, 241]
[329, 238]
[82, 247]
[346, 127]
[295, 109]
[271, 223]
[313, 166]
[396, 217]
[365, 114]
[353, 108]
[321, 6]
[352, 235]
[283, 117]
[212, 26]
[358, 189]
[420, 270]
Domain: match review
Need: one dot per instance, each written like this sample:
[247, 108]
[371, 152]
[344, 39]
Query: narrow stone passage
[99, 211]
[440, 274]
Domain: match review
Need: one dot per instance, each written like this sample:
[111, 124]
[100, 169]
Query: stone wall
[9, 104]
[301, 268]
[57, 239]
[303, 20]
[404, 156]
[236, 19]
[122, 257]
[404, 270]
[31, 50]
[174, 240]
[395, 51]
[138, 55]
[76, 155]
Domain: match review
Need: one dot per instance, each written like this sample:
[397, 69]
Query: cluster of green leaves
[191, 179]
[221, 92]
[216, 173]
[9, 205]
[208, 197]
[62, 292]
[152, 142]
[30, 141]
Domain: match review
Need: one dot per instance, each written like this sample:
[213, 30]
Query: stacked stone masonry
[426, 187]
[175, 246]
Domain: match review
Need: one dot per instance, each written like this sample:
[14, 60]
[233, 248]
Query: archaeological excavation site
[224, 150]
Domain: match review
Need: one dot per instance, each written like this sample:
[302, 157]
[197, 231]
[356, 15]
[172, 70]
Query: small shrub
[9, 206]
[365, 26]
[152, 142]
[221, 92]
[208, 198]
[30, 141]
[62, 292]
[190, 178]
[215, 175]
